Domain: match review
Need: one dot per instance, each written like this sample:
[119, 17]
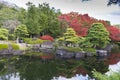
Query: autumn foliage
[82, 22]
[114, 33]
[47, 37]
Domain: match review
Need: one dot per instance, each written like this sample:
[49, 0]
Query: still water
[25, 68]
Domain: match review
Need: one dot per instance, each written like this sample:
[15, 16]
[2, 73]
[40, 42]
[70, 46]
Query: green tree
[3, 34]
[69, 37]
[98, 35]
[31, 20]
[42, 20]
[21, 15]
[52, 26]
[7, 13]
[21, 31]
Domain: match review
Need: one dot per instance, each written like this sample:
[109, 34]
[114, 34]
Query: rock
[79, 55]
[18, 52]
[65, 54]
[101, 53]
[89, 54]
[4, 52]
[47, 45]
[47, 50]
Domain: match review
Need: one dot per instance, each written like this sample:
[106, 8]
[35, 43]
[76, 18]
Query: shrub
[47, 37]
[30, 41]
[27, 40]
[37, 41]
[3, 46]
[15, 46]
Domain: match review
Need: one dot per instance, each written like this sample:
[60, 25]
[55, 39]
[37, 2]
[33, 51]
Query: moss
[73, 49]
[3, 46]
[15, 46]
[89, 50]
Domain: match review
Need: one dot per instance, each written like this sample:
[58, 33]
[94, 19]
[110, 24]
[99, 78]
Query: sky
[94, 8]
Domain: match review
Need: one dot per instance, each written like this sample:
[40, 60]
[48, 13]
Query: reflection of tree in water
[34, 72]
[7, 70]
[27, 70]
[34, 69]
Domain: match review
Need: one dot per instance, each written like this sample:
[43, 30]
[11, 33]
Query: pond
[25, 68]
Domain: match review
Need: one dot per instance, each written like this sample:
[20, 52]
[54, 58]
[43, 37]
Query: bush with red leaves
[47, 37]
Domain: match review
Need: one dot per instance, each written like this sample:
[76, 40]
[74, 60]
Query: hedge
[15, 47]
[3, 46]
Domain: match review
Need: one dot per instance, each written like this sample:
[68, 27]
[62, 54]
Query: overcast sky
[95, 8]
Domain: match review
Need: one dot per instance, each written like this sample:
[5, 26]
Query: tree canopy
[42, 20]
[98, 35]
[21, 31]
[3, 34]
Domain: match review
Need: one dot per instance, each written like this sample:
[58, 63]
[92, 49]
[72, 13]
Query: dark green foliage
[3, 46]
[31, 20]
[98, 35]
[11, 37]
[22, 15]
[93, 63]
[42, 20]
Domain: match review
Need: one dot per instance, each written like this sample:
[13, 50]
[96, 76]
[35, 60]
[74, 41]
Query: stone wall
[62, 53]
[11, 51]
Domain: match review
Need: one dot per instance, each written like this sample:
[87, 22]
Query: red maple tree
[114, 33]
[80, 22]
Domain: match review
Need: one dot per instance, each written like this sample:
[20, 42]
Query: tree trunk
[17, 40]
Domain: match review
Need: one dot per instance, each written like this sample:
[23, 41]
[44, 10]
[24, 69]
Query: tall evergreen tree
[98, 35]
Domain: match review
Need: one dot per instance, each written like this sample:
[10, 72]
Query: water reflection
[28, 70]
[25, 68]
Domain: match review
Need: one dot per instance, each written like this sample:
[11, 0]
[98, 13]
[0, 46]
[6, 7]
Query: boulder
[101, 53]
[65, 54]
[79, 55]
[4, 52]
[18, 52]
[89, 54]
